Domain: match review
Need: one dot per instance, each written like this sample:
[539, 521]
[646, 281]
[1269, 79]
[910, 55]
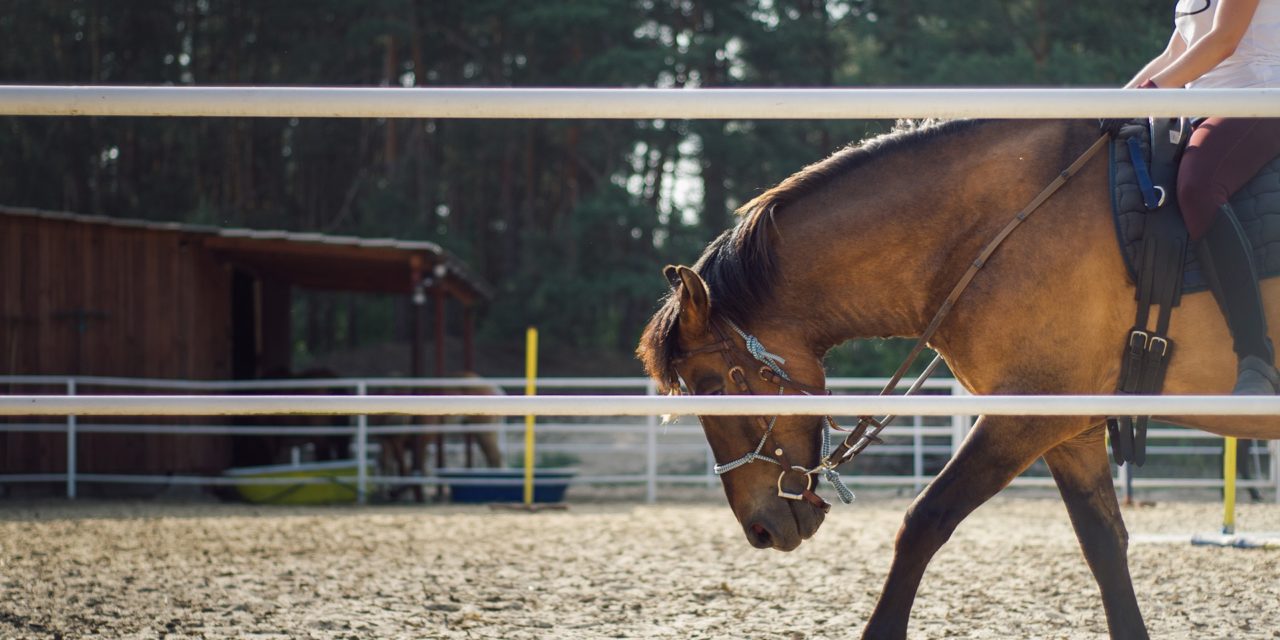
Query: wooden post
[276, 353]
[438, 294]
[469, 361]
[469, 339]
[440, 301]
[417, 301]
[418, 298]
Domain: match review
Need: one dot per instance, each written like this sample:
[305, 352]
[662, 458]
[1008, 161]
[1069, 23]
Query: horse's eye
[709, 385]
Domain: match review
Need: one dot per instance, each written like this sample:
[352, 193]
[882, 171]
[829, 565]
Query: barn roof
[313, 260]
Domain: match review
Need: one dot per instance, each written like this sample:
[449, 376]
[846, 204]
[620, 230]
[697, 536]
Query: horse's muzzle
[785, 528]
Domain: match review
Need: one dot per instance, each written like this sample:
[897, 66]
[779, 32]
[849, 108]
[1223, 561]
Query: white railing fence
[923, 438]
[632, 103]
[634, 450]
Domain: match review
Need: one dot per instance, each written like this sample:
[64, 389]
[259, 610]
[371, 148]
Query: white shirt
[1256, 61]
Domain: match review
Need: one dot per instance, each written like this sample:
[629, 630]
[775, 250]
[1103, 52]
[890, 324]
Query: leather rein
[868, 428]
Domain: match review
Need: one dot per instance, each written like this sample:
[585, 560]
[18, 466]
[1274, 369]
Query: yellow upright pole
[1229, 486]
[530, 389]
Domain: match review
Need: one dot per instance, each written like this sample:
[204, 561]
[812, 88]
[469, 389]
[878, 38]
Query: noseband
[773, 373]
[868, 429]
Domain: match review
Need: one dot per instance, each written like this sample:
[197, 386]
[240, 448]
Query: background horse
[405, 454]
[867, 244]
[262, 450]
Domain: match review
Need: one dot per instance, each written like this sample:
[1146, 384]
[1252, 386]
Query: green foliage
[570, 220]
[591, 275]
[873, 358]
[1019, 42]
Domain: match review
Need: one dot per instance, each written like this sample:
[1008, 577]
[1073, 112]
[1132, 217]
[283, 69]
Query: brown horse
[405, 454]
[868, 243]
[257, 450]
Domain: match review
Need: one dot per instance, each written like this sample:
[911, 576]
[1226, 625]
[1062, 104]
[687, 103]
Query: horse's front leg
[1083, 473]
[995, 452]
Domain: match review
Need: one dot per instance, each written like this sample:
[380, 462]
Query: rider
[1226, 44]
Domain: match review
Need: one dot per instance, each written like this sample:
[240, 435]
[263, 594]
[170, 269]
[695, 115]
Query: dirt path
[597, 571]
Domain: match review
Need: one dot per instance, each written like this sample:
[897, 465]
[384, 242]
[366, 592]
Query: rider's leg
[1224, 254]
[1222, 156]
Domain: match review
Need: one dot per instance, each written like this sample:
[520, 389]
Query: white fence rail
[619, 103]
[925, 437]
[594, 405]
[616, 104]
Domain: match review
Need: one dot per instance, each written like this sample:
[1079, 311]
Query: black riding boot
[1226, 258]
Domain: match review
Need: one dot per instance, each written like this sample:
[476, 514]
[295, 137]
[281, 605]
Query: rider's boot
[1226, 258]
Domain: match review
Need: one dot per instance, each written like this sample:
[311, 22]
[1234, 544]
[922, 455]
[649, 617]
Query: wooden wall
[95, 299]
[155, 303]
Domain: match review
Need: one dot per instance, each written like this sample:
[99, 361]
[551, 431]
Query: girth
[1147, 351]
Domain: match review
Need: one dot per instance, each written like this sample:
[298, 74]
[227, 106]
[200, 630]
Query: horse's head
[686, 341]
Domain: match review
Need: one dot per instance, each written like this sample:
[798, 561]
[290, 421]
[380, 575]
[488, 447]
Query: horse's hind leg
[418, 465]
[1083, 473]
[996, 451]
[488, 441]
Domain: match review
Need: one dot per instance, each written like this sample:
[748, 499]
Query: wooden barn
[100, 296]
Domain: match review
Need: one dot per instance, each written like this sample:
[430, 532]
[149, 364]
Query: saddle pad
[1257, 206]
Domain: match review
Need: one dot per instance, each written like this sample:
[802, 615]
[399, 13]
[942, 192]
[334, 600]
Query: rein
[868, 429]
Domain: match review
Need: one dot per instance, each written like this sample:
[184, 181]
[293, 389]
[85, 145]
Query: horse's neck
[875, 254]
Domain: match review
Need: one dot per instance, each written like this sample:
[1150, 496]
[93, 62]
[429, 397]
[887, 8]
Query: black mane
[739, 266]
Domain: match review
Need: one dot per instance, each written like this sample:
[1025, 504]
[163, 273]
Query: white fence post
[362, 449]
[917, 454]
[1126, 487]
[711, 468]
[651, 461]
[71, 445]
[1275, 466]
[959, 423]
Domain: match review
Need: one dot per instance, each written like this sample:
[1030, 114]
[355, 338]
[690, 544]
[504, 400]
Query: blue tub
[472, 486]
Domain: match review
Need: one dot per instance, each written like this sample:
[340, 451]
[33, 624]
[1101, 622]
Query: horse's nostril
[759, 536]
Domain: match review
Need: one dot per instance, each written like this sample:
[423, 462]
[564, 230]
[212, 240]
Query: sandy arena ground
[1013, 570]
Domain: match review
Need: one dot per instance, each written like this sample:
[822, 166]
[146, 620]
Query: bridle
[867, 430]
[773, 373]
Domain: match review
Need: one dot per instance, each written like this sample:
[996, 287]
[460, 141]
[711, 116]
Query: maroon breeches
[1223, 155]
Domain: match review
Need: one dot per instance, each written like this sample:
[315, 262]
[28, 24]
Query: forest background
[571, 221]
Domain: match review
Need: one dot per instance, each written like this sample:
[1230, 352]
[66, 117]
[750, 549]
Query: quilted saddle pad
[1257, 206]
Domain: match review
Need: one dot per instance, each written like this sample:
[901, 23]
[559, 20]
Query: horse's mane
[739, 267]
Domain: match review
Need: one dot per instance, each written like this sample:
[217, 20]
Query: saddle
[1153, 241]
[1257, 207]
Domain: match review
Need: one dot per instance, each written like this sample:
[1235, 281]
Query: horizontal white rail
[635, 383]
[877, 481]
[618, 103]
[605, 436]
[295, 430]
[418, 429]
[637, 405]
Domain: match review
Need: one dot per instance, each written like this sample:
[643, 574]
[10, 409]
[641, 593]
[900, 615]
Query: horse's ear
[672, 274]
[695, 299]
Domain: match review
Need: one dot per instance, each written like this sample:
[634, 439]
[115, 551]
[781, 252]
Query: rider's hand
[1111, 126]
